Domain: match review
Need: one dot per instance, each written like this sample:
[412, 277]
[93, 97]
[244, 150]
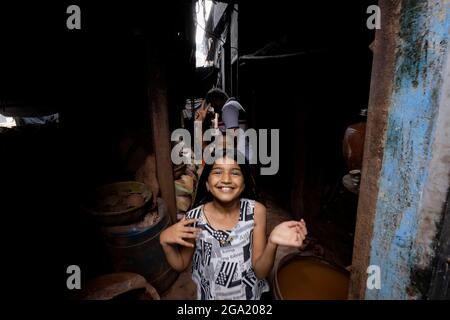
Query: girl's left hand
[289, 233]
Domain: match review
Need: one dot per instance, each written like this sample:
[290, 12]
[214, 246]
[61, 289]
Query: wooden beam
[159, 116]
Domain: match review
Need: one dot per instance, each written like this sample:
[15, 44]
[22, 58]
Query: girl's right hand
[178, 232]
[200, 114]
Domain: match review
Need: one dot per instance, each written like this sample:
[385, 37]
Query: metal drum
[136, 248]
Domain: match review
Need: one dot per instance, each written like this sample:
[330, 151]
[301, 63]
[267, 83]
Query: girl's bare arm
[177, 242]
[263, 254]
[288, 233]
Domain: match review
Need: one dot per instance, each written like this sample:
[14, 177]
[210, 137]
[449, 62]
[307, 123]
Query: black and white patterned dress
[222, 263]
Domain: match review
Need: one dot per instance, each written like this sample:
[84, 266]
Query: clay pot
[307, 277]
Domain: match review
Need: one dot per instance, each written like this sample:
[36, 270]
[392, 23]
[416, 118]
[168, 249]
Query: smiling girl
[225, 235]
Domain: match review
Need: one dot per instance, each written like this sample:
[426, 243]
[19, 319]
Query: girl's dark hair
[202, 195]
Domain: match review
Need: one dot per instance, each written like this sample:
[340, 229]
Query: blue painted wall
[422, 45]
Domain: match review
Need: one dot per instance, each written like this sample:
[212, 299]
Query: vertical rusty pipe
[380, 90]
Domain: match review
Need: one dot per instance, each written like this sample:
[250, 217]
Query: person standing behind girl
[232, 117]
[225, 235]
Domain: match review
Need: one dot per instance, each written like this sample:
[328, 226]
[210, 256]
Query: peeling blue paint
[422, 50]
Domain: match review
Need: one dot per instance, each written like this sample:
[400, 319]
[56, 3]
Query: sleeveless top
[222, 263]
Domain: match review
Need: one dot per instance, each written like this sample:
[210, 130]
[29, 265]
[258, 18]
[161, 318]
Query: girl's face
[225, 181]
